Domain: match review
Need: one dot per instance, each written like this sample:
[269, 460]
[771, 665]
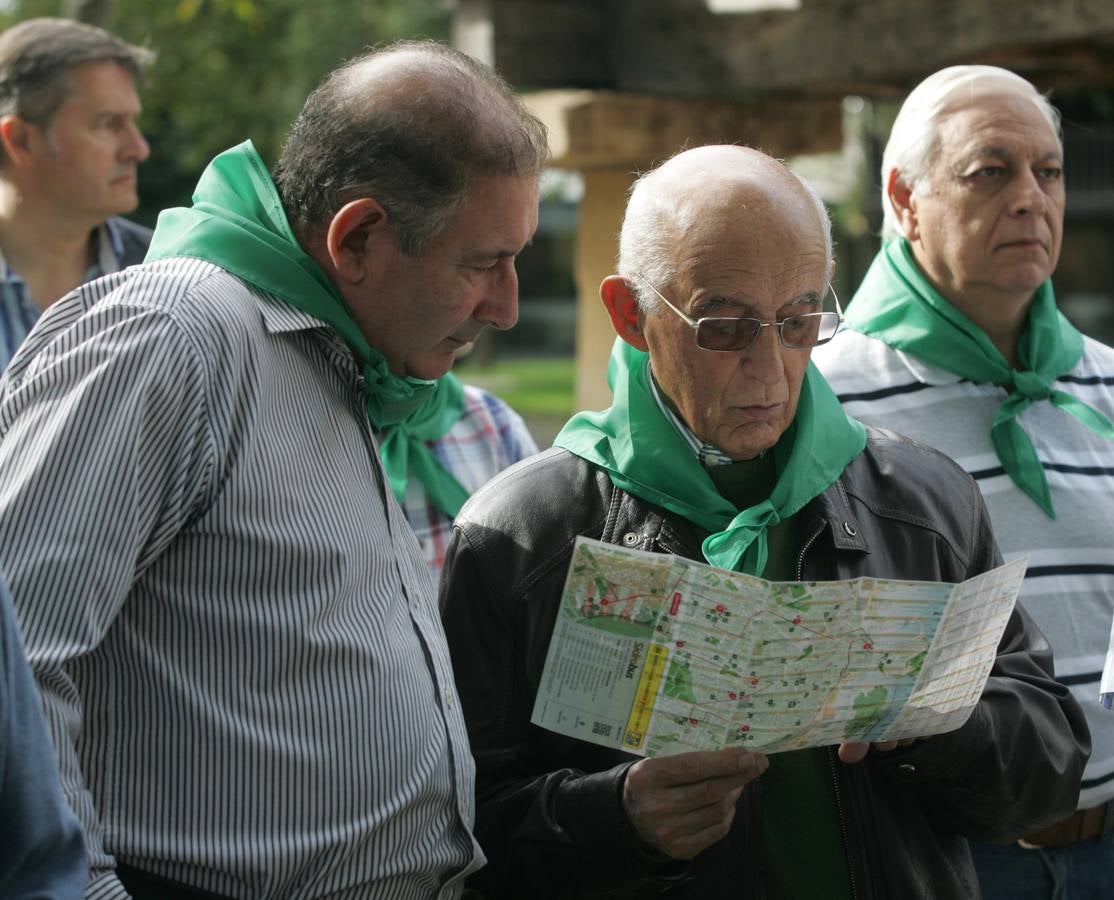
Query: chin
[749, 445]
[430, 366]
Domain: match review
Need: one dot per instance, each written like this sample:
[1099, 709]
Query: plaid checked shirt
[488, 437]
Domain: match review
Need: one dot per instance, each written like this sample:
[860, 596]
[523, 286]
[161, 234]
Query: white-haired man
[956, 341]
[724, 444]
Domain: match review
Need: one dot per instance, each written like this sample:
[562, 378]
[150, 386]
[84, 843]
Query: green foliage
[229, 70]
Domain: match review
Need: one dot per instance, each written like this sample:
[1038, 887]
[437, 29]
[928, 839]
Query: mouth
[764, 412]
[1023, 244]
[455, 341]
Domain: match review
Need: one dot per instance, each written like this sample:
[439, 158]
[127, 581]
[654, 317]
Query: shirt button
[448, 699]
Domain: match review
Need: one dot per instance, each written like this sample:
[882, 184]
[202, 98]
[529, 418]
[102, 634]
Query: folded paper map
[655, 654]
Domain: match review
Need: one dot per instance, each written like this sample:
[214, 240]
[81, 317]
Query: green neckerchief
[645, 456]
[238, 223]
[898, 305]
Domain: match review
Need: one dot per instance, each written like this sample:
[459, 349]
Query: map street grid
[656, 655]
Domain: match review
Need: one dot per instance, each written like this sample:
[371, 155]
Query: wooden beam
[547, 36]
[600, 129]
[827, 47]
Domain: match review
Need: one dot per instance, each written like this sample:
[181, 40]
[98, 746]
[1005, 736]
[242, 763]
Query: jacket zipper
[831, 753]
[842, 822]
[804, 550]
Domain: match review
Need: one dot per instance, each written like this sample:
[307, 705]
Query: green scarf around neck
[237, 222]
[897, 304]
[645, 455]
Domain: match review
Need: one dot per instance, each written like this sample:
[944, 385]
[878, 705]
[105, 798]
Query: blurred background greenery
[228, 70]
[233, 69]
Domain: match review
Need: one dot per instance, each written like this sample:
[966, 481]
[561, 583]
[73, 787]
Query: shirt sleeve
[105, 455]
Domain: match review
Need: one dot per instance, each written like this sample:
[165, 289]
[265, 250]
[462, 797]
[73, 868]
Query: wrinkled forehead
[990, 105]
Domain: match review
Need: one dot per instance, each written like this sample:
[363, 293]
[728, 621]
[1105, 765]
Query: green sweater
[805, 854]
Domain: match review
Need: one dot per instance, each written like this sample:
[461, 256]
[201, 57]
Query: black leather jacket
[549, 810]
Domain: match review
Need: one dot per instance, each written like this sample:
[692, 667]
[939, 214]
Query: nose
[763, 360]
[134, 147]
[1028, 195]
[499, 307]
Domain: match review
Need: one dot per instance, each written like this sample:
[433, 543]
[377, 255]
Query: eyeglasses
[728, 335]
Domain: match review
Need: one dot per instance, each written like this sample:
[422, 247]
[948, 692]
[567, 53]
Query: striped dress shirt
[1069, 585]
[232, 626]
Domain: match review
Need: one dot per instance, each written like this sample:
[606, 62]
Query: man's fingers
[853, 751]
[683, 835]
[682, 804]
[704, 765]
[686, 846]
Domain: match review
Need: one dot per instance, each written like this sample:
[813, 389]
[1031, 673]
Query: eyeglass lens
[796, 332]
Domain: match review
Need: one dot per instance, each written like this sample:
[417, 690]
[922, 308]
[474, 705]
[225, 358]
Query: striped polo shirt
[1069, 586]
[232, 625]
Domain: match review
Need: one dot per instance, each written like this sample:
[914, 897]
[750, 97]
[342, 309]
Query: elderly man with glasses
[725, 444]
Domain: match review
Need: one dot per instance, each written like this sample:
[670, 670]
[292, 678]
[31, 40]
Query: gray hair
[409, 124]
[914, 138]
[36, 57]
[653, 223]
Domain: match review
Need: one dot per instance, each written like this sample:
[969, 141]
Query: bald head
[410, 125]
[680, 199]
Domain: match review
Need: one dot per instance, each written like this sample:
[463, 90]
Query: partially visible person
[69, 148]
[724, 444]
[955, 340]
[1106, 690]
[234, 632]
[436, 461]
[42, 855]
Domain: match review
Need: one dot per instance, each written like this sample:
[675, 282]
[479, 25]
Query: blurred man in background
[69, 148]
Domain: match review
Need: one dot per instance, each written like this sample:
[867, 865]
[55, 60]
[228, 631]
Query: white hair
[914, 138]
[653, 224]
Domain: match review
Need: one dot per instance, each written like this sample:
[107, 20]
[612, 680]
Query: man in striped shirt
[954, 339]
[232, 626]
[69, 148]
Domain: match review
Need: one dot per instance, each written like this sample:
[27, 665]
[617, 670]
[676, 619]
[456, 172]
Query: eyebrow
[496, 254]
[1006, 153]
[810, 298]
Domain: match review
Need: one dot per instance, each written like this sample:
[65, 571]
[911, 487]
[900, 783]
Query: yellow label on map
[643, 707]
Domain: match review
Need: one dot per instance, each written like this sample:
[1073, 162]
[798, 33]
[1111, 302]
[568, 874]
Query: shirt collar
[926, 372]
[708, 454]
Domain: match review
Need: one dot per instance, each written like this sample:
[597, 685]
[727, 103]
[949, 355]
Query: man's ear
[355, 238]
[15, 137]
[622, 306]
[904, 204]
